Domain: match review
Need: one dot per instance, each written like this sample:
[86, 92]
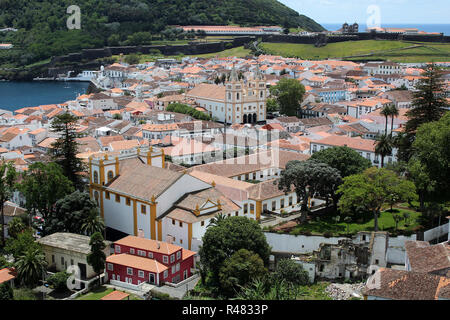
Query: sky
[390, 11]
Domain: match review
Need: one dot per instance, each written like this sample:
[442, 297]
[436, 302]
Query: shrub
[328, 234]
[58, 281]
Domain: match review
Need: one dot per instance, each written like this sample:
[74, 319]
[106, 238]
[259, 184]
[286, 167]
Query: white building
[238, 101]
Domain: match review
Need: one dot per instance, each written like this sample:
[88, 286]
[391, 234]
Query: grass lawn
[378, 49]
[100, 292]
[385, 222]
[315, 291]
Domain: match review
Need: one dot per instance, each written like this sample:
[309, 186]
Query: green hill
[43, 32]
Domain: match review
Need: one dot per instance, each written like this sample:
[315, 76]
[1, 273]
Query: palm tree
[394, 112]
[217, 220]
[31, 266]
[386, 112]
[94, 223]
[384, 147]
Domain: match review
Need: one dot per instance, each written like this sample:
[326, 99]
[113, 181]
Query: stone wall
[193, 48]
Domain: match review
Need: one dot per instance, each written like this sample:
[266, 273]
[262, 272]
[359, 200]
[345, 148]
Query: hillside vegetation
[43, 32]
[399, 51]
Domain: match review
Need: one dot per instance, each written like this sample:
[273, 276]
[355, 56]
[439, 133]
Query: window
[110, 176]
[282, 203]
[143, 209]
[245, 208]
[128, 201]
[62, 260]
[150, 255]
[141, 253]
[181, 224]
[166, 274]
[53, 258]
[178, 255]
[165, 259]
[140, 274]
[117, 198]
[131, 251]
[274, 205]
[130, 271]
[252, 208]
[202, 223]
[177, 267]
[173, 221]
[151, 277]
[95, 177]
[117, 249]
[110, 267]
[172, 258]
[290, 201]
[107, 195]
[173, 269]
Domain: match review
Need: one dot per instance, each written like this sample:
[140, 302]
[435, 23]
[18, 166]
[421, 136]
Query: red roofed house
[139, 260]
[365, 147]
[7, 275]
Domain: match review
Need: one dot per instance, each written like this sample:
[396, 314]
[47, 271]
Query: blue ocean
[16, 95]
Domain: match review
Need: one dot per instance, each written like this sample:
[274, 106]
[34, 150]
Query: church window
[110, 176]
[95, 177]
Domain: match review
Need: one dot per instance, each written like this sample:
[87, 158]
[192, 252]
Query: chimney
[158, 245]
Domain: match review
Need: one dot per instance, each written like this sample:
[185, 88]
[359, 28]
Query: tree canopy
[42, 186]
[64, 150]
[344, 159]
[372, 189]
[310, 178]
[431, 156]
[289, 95]
[230, 235]
[70, 214]
[239, 270]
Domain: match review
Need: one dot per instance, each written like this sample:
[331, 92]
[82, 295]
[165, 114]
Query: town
[327, 176]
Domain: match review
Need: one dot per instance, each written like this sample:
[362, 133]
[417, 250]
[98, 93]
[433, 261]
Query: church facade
[238, 101]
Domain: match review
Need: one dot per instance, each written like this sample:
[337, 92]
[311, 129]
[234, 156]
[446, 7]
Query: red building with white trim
[137, 260]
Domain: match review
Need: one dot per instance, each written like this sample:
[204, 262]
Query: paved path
[180, 291]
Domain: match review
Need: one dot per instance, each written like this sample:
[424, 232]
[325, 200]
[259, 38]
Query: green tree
[272, 105]
[429, 105]
[310, 178]
[70, 214]
[291, 272]
[394, 113]
[431, 149]
[239, 270]
[58, 281]
[42, 186]
[386, 112]
[384, 147]
[97, 257]
[371, 190]
[8, 177]
[64, 150]
[344, 159]
[132, 59]
[232, 234]
[93, 223]
[24, 241]
[31, 267]
[15, 227]
[6, 292]
[217, 220]
[289, 95]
